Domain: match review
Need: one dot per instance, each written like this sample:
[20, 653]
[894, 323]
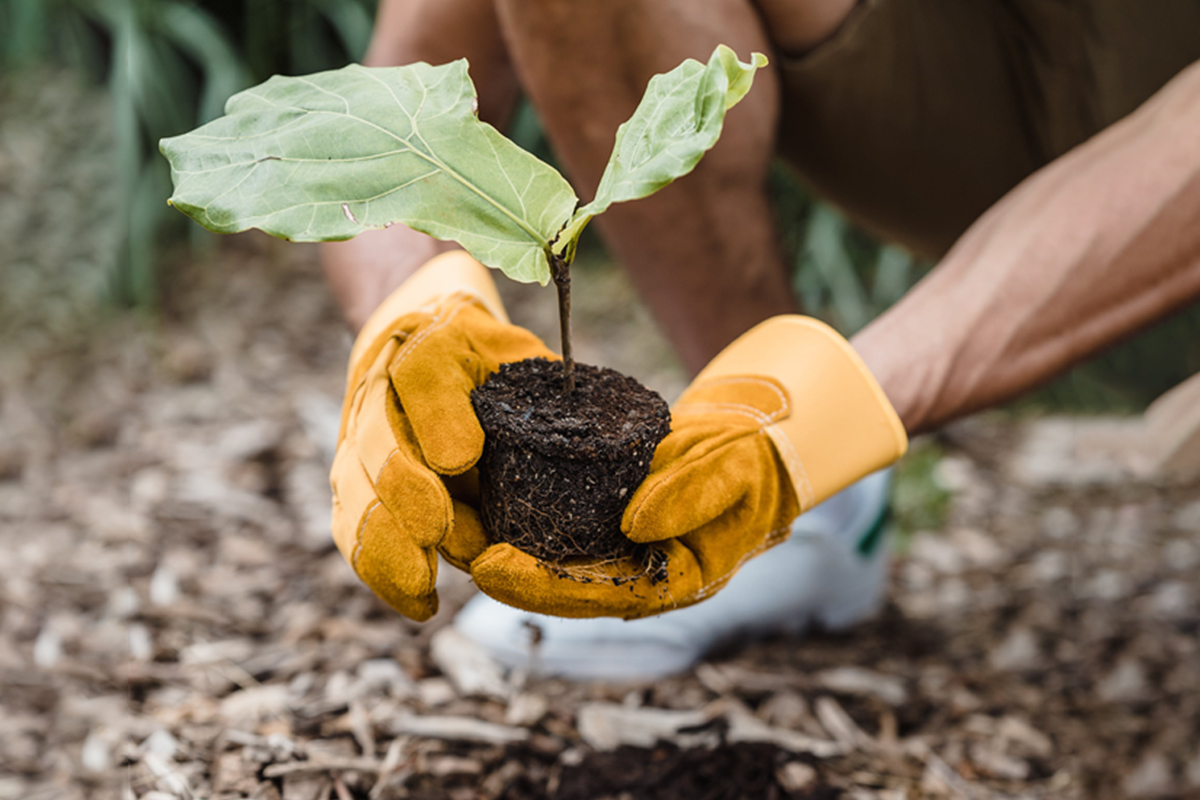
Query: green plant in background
[169, 65]
[840, 274]
[919, 501]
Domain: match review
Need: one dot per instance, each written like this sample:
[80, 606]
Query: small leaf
[678, 121]
[327, 156]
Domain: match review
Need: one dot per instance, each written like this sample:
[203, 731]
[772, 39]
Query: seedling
[330, 155]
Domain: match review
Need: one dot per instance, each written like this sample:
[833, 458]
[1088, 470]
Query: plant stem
[562, 282]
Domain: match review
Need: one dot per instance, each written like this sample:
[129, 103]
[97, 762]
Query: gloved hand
[781, 419]
[408, 429]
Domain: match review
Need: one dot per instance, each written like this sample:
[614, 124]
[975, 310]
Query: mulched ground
[174, 620]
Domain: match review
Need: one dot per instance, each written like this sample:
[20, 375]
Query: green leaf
[327, 156]
[678, 121]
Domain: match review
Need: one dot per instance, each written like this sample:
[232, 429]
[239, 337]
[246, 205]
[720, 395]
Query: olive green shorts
[920, 114]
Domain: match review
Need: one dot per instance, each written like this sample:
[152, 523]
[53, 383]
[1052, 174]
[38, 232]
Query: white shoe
[832, 571]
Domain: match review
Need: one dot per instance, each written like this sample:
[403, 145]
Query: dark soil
[743, 771]
[558, 470]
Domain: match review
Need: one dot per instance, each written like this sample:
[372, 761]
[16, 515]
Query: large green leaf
[327, 156]
[678, 121]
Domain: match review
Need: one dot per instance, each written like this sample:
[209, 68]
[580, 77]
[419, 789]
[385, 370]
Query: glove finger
[390, 510]
[413, 493]
[367, 444]
[466, 539]
[722, 546]
[438, 367]
[396, 568]
[432, 375]
[624, 588]
[692, 485]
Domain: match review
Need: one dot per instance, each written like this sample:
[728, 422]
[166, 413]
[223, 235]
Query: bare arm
[363, 271]
[1087, 251]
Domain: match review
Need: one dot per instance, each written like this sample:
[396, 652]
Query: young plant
[328, 156]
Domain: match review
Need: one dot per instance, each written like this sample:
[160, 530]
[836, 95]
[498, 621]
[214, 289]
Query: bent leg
[704, 251]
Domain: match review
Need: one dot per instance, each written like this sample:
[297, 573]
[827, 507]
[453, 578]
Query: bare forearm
[1087, 251]
[363, 271]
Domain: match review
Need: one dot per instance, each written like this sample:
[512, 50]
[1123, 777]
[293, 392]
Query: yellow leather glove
[781, 419]
[408, 427]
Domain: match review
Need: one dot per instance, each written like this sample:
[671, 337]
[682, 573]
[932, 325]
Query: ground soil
[175, 620]
[557, 469]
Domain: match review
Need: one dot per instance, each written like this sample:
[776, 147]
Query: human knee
[797, 26]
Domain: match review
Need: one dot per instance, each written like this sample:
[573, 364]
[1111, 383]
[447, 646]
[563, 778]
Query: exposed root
[646, 561]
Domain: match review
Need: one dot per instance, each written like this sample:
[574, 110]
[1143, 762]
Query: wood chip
[864, 683]
[941, 777]
[993, 761]
[255, 703]
[795, 776]
[435, 692]
[526, 710]
[169, 778]
[459, 729]
[305, 786]
[607, 726]
[744, 727]
[467, 665]
[441, 766]
[390, 772]
[840, 726]
[360, 727]
[321, 766]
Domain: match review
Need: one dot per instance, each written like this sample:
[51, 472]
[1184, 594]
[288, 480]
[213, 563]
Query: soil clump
[558, 470]
[741, 771]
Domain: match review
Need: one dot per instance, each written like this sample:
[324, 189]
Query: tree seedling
[327, 156]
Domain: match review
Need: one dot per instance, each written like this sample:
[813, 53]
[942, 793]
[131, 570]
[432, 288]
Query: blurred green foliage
[840, 274]
[919, 502]
[169, 65]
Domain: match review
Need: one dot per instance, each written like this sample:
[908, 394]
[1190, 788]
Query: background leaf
[352, 23]
[198, 35]
[678, 120]
[325, 157]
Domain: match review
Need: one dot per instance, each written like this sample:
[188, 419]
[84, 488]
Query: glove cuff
[440, 277]
[840, 427]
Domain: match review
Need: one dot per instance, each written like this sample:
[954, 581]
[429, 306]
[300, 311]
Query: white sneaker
[832, 571]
